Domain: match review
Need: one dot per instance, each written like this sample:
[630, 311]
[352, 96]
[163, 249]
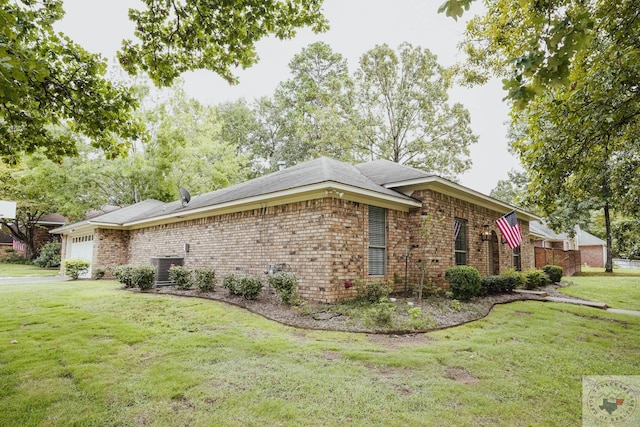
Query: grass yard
[21, 270]
[86, 353]
[618, 290]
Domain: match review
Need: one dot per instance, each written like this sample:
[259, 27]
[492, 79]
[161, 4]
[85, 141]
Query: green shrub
[372, 292]
[464, 282]
[181, 276]
[243, 285]
[285, 285]
[492, 285]
[535, 279]
[518, 277]
[379, 313]
[123, 274]
[143, 277]
[49, 255]
[98, 273]
[553, 272]
[76, 267]
[205, 279]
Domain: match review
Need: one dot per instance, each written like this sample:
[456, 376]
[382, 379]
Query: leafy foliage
[124, 275]
[553, 272]
[76, 267]
[49, 255]
[535, 279]
[464, 282]
[405, 115]
[243, 285]
[181, 276]
[204, 279]
[500, 284]
[372, 291]
[196, 34]
[285, 285]
[143, 277]
[47, 81]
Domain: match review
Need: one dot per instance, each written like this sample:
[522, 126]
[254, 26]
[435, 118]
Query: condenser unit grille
[162, 264]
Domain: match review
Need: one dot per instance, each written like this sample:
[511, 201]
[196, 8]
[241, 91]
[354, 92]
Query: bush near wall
[285, 285]
[464, 282]
[135, 276]
[553, 272]
[204, 279]
[243, 285]
[49, 255]
[535, 279]
[181, 276]
[76, 267]
[500, 284]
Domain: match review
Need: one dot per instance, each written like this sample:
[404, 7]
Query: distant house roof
[582, 238]
[379, 182]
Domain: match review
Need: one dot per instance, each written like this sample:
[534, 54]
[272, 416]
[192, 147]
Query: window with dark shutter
[377, 241]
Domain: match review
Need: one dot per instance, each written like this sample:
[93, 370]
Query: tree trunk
[608, 265]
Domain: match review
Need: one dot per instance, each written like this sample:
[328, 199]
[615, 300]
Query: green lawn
[87, 353]
[618, 290]
[21, 270]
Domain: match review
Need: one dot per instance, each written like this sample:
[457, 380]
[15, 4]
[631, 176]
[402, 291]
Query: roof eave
[451, 188]
[309, 192]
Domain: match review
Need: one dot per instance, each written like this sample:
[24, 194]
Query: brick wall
[324, 241]
[593, 256]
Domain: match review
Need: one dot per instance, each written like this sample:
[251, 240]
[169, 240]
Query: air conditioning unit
[162, 264]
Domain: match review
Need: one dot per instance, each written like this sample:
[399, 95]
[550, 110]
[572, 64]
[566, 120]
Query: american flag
[456, 229]
[510, 229]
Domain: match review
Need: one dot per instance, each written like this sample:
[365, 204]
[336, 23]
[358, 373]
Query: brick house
[327, 221]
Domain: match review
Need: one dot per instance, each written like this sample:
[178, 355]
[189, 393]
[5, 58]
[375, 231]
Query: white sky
[356, 27]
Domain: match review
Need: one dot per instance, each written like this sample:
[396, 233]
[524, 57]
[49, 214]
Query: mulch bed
[322, 317]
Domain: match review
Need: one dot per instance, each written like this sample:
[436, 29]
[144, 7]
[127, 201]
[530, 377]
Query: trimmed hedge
[535, 279]
[285, 285]
[204, 279]
[553, 272]
[181, 276]
[76, 267]
[492, 285]
[464, 282]
[243, 285]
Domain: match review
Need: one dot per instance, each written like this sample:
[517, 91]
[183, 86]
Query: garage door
[82, 248]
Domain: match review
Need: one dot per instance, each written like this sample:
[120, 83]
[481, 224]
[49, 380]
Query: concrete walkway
[594, 304]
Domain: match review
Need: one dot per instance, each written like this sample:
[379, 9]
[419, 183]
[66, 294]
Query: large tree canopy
[47, 80]
[182, 35]
[405, 114]
[572, 69]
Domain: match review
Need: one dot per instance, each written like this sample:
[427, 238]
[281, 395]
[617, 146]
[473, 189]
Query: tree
[39, 187]
[512, 190]
[46, 80]
[405, 115]
[178, 36]
[312, 110]
[571, 69]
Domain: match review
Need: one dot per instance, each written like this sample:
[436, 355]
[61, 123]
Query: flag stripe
[510, 229]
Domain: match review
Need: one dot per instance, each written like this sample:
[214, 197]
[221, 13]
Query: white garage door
[82, 248]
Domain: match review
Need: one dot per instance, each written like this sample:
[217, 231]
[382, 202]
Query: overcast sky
[356, 27]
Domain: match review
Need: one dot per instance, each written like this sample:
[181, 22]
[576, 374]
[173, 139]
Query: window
[377, 241]
[516, 259]
[460, 237]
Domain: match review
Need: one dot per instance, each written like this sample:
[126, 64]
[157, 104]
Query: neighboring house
[569, 252]
[41, 234]
[329, 222]
[6, 244]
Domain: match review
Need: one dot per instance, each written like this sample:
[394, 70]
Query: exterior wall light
[485, 235]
